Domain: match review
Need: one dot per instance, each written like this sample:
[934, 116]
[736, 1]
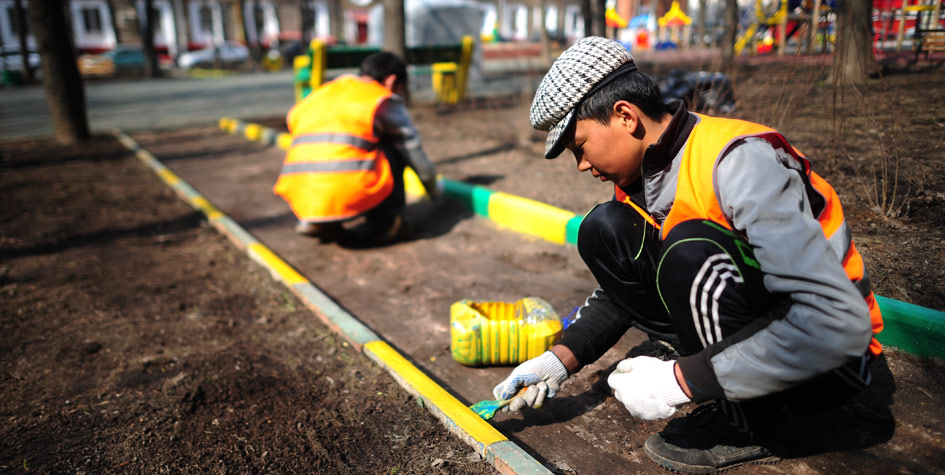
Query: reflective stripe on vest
[335, 168]
[696, 197]
[355, 141]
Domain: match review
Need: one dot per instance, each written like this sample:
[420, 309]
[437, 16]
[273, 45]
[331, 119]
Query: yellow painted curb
[279, 268]
[529, 216]
[284, 141]
[252, 131]
[457, 415]
[208, 209]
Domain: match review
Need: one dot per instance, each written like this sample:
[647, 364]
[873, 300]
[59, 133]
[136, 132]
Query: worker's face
[610, 152]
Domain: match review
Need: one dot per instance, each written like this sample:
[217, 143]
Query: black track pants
[382, 215]
[700, 288]
[697, 287]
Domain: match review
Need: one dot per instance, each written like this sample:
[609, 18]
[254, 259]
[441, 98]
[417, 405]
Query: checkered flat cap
[570, 79]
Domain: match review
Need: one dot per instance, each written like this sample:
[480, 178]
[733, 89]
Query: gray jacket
[393, 124]
[763, 198]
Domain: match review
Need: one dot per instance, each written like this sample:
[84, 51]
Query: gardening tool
[486, 409]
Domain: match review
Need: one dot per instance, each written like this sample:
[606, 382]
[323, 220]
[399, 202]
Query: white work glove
[647, 387]
[543, 375]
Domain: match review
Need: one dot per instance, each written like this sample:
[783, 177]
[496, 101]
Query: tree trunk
[114, 23]
[304, 25]
[151, 69]
[730, 35]
[595, 21]
[543, 31]
[700, 29]
[853, 60]
[251, 25]
[394, 28]
[65, 95]
[336, 19]
[586, 13]
[20, 13]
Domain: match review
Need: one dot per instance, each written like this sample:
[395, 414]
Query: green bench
[449, 65]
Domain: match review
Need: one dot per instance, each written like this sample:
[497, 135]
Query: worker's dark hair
[637, 88]
[384, 63]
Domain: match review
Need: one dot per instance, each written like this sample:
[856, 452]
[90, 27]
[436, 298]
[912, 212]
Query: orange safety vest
[335, 169]
[696, 197]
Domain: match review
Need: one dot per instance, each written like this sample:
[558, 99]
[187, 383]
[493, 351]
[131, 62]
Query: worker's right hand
[543, 374]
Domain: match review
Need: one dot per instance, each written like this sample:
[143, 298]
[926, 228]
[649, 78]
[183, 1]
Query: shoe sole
[678, 467]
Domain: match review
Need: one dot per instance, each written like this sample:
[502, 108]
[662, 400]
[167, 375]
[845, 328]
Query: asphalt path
[152, 104]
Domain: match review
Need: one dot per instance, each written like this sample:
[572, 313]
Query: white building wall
[206, 22]
[92, 25]
[165, 31]
[9, 39]
[269, 29]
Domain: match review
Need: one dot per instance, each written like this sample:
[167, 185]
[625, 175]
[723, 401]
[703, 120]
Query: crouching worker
[722, 245]
[351, 139]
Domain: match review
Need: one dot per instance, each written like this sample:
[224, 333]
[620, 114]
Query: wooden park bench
[928, 40]
[448, 64]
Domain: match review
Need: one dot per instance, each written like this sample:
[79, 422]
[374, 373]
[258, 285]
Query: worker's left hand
[434, 188]
[542, 375]
[647, 387]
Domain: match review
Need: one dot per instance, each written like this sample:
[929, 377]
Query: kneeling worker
[722, 244]
[351, 139]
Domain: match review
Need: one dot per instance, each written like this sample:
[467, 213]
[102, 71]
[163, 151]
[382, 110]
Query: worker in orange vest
[351, 139]
[723, 246]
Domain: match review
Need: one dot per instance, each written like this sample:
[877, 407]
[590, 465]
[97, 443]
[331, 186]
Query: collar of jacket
[660, 155]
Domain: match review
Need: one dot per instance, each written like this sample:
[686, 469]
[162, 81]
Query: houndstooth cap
[568, 82]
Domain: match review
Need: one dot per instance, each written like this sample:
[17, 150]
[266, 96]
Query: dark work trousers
[382, 216]
[699, 289]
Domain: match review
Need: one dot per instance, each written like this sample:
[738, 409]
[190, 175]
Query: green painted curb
[571, 230]
[476, 198]
[910, 328]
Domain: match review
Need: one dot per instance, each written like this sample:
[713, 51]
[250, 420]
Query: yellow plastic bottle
[502, 333]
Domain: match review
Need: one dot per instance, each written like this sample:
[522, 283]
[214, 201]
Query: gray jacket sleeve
[597, 326]
[762, 194]
[392, 122]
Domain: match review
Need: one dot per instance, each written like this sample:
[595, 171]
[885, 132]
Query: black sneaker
[325, 232]
[705, 442]
[655, 348]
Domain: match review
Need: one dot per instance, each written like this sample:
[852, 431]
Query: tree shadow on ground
[482, 180]
[504, 147]
[60, 243]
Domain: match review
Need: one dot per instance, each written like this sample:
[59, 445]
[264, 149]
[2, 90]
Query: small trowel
[486, 409]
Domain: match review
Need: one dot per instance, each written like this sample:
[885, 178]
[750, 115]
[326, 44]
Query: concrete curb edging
[494, 447]
[910, 328]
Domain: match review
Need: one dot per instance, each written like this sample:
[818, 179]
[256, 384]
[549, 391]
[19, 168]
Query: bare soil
[136, 339]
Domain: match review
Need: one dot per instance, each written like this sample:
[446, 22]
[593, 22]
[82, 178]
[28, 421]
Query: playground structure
[807, 26]
[674, 27]
[813, 22]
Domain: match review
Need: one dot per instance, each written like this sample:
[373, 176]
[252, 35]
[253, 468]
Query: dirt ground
[136, 339]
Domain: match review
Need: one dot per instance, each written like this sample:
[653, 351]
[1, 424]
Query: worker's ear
[628, 114]
[389, 82]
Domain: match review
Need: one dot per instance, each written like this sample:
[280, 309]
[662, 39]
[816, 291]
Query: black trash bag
[702, 91]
